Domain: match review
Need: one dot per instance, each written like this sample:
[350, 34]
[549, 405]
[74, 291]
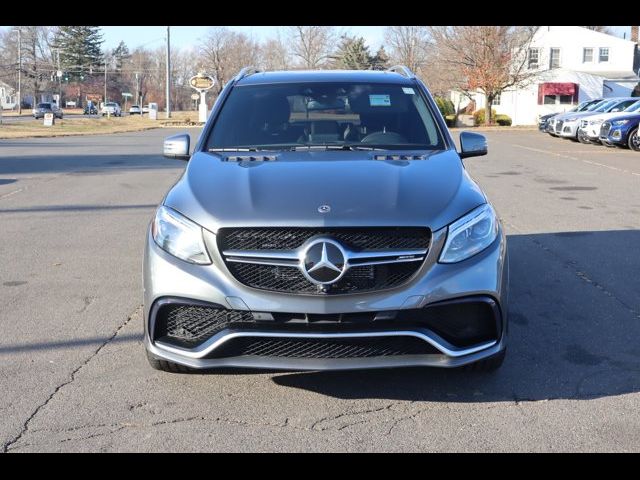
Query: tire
[486, 365]
[583, 139]
[166, 366]
[633, 141]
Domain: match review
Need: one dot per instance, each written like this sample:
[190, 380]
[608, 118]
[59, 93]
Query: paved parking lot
[73, 214]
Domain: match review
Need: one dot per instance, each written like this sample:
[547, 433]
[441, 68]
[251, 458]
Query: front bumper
[569, 130]
[483, 276]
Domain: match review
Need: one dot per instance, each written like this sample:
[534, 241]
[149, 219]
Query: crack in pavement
[25, 426]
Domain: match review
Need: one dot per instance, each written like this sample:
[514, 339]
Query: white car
[111, 108]
[135, 110]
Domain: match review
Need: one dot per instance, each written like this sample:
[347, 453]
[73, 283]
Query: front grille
[288, 347]
[290, 238]
[584, 123]
[559, 124]
[189, 325]
[355, 280]
[604, 129]
[289, 279]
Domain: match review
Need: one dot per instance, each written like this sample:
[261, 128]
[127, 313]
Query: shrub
[445, 106]
[478, 116]
[504, 120]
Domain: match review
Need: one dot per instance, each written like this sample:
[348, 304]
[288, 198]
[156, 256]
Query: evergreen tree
[79, 48]
[120, 55]
[380, 61]
[352, 54]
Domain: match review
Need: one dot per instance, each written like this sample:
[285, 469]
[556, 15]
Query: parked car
[546, 122]
[90, 110]
[566, 125]
[589, 129]
[622, 131]
[43, 108]
[135, 110]
[344, 236]
[111, 108]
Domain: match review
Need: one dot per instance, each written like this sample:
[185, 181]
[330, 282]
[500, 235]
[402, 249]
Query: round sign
[202, 82]
[195, 96]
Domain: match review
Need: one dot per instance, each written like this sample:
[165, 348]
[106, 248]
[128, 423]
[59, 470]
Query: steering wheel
[384, 137]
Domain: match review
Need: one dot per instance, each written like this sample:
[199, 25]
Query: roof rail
[402, 70]
[245, 72]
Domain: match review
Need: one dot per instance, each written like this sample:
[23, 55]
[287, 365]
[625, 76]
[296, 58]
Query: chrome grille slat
[376, 258]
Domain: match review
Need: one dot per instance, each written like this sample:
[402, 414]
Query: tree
[352, 54]
[408, 45]
[312, 45]
[120, 55]
[486, 58]
[380, 61]
[79, 49]
[224, 53]
[274, 54]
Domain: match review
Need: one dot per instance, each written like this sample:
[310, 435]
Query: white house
[8, 97]
[572, 64]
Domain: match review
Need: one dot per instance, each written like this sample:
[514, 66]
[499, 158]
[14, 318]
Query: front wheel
[634, 140]
[582, 138]
[490, 364]
[166, 366]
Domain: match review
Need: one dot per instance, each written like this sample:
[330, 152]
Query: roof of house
[615, 75]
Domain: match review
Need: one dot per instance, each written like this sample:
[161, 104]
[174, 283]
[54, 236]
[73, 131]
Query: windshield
[634, 107]
[605, 105]
[44, 105]
[347, 115]
[595, 106]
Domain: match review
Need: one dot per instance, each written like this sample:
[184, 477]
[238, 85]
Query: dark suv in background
[43, 108]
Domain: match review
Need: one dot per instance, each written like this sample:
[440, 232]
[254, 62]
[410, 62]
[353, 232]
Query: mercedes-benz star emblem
[324, 208]
[323, 262]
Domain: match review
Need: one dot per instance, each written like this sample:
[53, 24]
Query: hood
[359, 190]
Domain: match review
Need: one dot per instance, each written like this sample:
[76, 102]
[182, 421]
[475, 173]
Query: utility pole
[105, 79]
[138, 99]
[19, 72]
[58, 74]
[168, 93]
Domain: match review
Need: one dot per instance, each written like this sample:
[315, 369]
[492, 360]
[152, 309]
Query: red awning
[557, 88]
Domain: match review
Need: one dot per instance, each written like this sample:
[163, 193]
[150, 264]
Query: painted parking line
[590, 162]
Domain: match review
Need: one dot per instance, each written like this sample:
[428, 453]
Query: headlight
[594, 122]
[469, 235]
[179, 236]
[617, 123]
[570, 120]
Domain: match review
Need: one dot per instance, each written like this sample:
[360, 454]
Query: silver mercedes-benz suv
[325, 220]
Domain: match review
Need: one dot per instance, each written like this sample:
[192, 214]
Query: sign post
[126, 96]
[202, 83]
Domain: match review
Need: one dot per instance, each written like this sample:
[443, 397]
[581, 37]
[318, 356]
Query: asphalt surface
[73, 375]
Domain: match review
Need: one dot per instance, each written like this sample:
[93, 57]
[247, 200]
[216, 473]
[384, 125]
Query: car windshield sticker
[408, 90]
[380, 100]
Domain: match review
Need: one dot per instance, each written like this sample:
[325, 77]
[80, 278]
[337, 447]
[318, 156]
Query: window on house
[558, 99]
[496, 99]
[587, 55]
[604, 55]
[534, 54]
[554, 58]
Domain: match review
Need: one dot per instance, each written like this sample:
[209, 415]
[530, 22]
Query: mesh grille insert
[289, 238]
[325, 348]
[191, 325]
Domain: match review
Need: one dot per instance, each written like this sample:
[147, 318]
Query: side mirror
[472, 145]
[177, 146]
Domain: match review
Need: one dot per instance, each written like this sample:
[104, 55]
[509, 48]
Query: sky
[184, 37]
